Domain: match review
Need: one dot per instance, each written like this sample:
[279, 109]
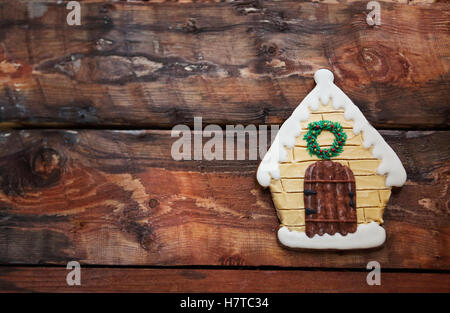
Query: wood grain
[118, 198]
[24, 279]
[154, 65]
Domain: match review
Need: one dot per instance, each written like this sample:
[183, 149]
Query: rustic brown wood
[333, 210]
[117, 197]
[155, 65]
[20, 279]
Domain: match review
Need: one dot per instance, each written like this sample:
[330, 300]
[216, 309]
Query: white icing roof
[291, 128]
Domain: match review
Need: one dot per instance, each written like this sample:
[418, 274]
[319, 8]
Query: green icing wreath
[314, 130]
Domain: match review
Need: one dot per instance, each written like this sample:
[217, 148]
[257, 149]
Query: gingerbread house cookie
[330, 173]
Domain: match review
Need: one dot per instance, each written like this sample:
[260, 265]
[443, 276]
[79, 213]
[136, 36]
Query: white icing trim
[366, 236]
[324, 90]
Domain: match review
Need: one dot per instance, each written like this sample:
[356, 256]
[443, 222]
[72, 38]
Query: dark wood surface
[86, 171]
[117, 197]
[156, 65]
[26, 279]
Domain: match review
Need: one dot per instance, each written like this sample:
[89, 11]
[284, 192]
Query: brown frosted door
[330, 199]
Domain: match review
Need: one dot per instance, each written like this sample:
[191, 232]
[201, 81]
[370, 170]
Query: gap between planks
[228, 268]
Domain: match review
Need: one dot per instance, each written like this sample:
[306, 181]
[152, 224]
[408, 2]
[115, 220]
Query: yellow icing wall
[372, 194]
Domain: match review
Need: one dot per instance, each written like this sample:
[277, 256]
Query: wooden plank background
[26, 279]
[86, 171]
[157, 65]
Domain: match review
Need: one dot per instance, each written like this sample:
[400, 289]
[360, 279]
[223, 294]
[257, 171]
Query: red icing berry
[332, 149]
[314, 146]
[309, 137]
[331, 125]
[317, 126]
[339, 134]
[321, 150]
[340, 142]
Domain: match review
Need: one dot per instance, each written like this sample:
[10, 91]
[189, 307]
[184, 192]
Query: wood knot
[383, 64]
[46, 166]
[31, 168]
[270, 49]
[143, 232]
[371, 63]
[191, 26]
[234, 260]
[374, 61]
[153, 203]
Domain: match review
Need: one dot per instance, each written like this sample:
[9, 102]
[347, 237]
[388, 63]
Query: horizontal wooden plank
[154, 65]
[35, 279]
[118, 197]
